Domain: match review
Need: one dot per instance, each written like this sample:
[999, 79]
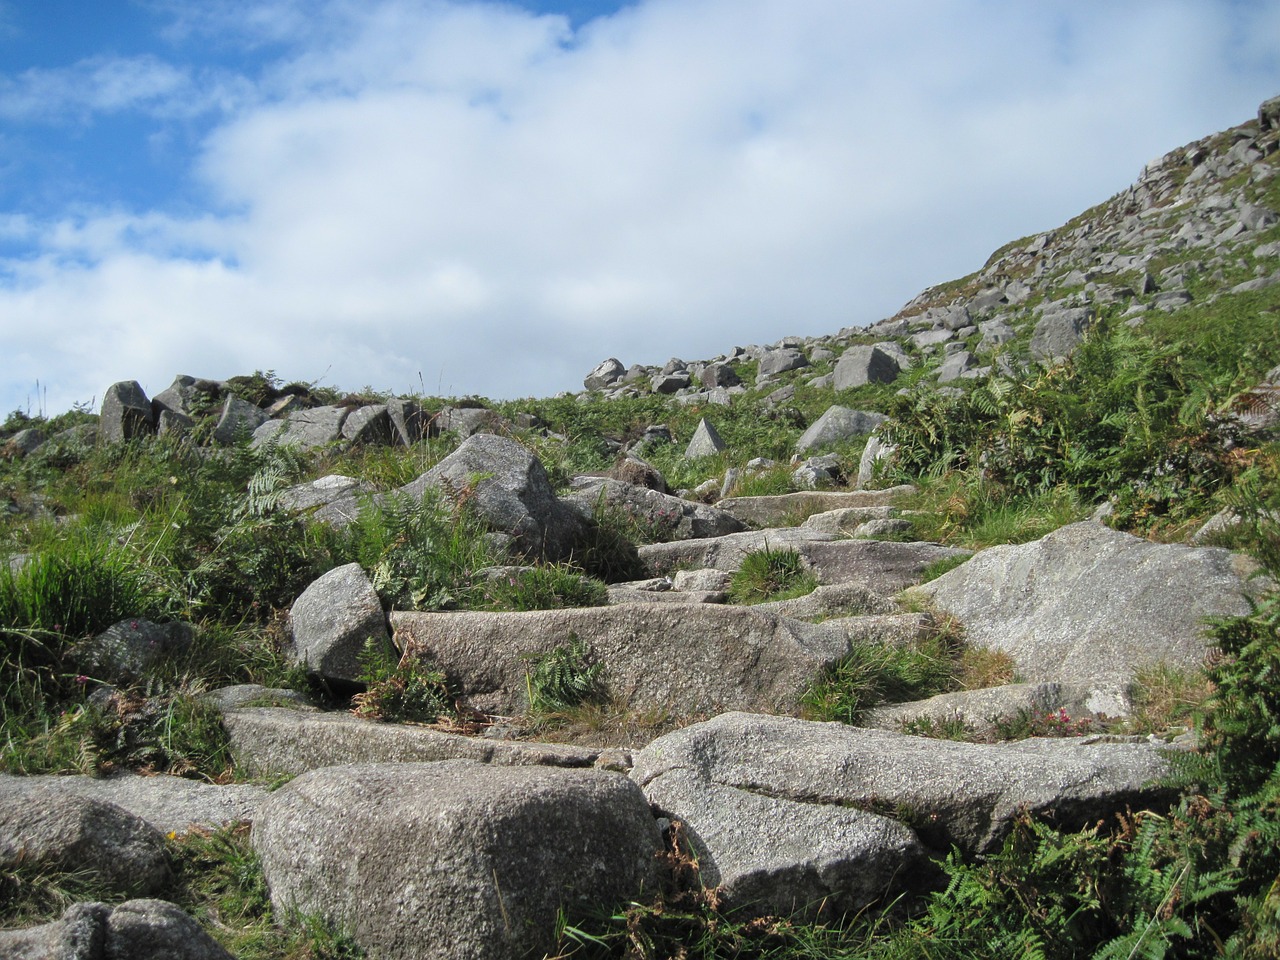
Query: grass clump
[543, 587]
[771, 574]
[872, 674]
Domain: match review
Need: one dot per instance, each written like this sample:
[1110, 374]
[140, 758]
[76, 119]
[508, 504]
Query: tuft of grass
[771, 574]
[1165, 696]
[873, 674]
[980, 668]
[543, 587]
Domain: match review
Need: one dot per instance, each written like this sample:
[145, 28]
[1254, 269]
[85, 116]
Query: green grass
[770, 574]
[872, 674]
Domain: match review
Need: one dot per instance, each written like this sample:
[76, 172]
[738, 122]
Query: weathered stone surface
[719, 375]
[706, 442]
[454, 859]
[368, 425]
[507, 487]
[1058, 332]
[861, 365]
[965, 794]
[256, 695]
[133, 930]
[333, 620]
[873, 453]
[469, 421]
[780, 361]
[844, 521]
[24, 442]
[722, 658]
[126, 413]
[167, 804]
[306, 429]
[274, 740]
[408, 422]
[724, 553]
[1087, 603]
[833, 600]
[46, 829]
[666, 517]
[238, 420]
[795, 507]
[837, 424]
[327, 490]
[817, 472]
[178, 397]
[128, 650]
[605, 374]
[169, 423]
[979, 709]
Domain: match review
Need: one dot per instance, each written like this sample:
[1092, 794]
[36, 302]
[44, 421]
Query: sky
[467, 197]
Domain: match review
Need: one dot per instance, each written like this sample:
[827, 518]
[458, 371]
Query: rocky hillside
[1199, 223]
[952, 637]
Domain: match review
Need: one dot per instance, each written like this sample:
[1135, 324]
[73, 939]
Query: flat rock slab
[961, 794]
[688, 659]
[1088, 604]
[168, 804]
[832, 600]
[268, 740]
[979, 710]
[882, 566]
[791, 508]
[456, 859]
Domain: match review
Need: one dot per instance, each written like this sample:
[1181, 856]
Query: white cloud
[472, 193]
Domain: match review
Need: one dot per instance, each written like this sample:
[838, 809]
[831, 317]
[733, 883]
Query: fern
[564, 678]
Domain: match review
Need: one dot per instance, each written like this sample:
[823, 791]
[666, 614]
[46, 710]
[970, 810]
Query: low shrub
[410, 690]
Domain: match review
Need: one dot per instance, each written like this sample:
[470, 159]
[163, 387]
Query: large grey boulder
[717, 658]
[63, 833]
[167, 804]
[836, 425]
[126, 413]
[1059, 331]
[665, 517]
[966, 794]
[305, 429]
[238, 420]
[333, 620]
[861, 365]
[774, 362]
[605, 374]
[1088, 604]
[507, 487]
[455, 859]
[133, 930]
[273, 741]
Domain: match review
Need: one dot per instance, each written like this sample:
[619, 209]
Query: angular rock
[664, 517]
[838, 424]
[178, 397]
[327, 490]
[507, 487]
[845, 521]
[456, 859]
[409, 424]
[955, 366]
[966, 794]
[238, 420]
[816, 472]
[59, 832]
[468, 421]
[169, 423]
[126, 413]
[271, 741]
[778, 509]
[726, 658]
[333, 620]
[884, 566]
[133, 930]
[719, 375]
[873, 453]
[305, 429]
[605, 374]
[1059, 332]
[127, 651]
[706, 442]
[774, 362]
[1088, 604]
[368, 426]
[861, 365]
[632, 469]
[24, 442]
[667, 383]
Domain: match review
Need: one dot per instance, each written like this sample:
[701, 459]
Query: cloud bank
[476, 199]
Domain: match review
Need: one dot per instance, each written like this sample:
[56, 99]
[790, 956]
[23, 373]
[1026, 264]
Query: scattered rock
[333, 620]
[133, 930]
[126, 413]
[706, 442]
[838, 424]
[127, 651]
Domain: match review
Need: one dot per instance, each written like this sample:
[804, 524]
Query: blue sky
[490, 198]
